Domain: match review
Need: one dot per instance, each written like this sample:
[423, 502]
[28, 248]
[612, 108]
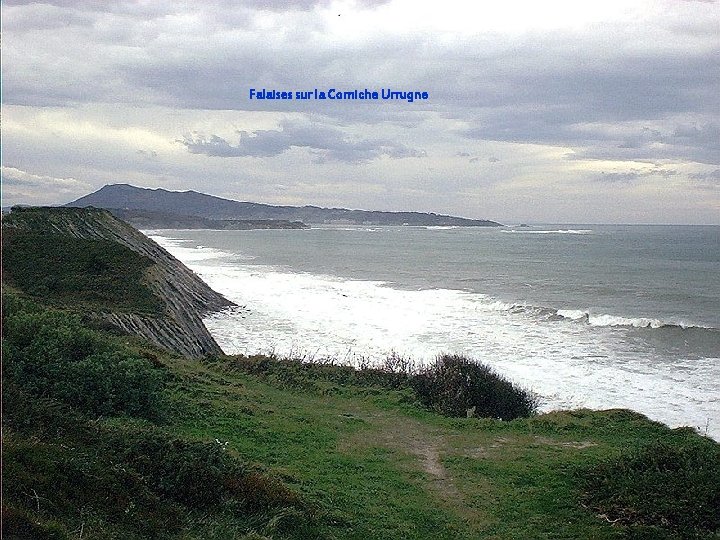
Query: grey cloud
[93, 10]
[634, 175]
[692, 142]
[325, 143]
[127, 6]
[570, 105]
[707, 180]
[618, 178]
[688, 142]
[712, 175]
[618, 92]
[75, 4]
[16, 180]
[284, 5]
[295, 5]
[44, 17]
[706, 135]
[547, 83]
[26, 188]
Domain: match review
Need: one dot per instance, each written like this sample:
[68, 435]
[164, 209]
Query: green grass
[384, 468]
[69, 271]
[648, 487]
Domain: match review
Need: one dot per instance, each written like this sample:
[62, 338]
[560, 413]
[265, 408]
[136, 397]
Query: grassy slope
[383, 468]
[69, 271]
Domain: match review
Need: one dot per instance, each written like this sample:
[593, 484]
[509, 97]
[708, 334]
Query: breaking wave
[594, 319]
[558, 231]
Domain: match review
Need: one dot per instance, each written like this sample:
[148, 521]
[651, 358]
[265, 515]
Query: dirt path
[408, 436]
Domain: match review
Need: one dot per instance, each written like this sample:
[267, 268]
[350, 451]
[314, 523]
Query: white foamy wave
[559, 231]
[611, 320]
[499, 305]
[354, 229]
[600, 319]
[186, 254]
[573, 314]
[441, 227]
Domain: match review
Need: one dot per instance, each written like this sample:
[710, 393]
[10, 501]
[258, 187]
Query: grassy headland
[69, 271]
[107, 436]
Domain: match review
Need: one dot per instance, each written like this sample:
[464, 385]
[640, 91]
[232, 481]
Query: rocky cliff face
[185, 296]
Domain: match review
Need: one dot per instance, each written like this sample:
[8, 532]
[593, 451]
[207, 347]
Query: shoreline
[262, 336]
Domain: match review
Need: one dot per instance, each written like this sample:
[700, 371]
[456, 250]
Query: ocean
[583, 315]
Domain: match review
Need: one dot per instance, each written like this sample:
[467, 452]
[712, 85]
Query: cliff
[165, 307]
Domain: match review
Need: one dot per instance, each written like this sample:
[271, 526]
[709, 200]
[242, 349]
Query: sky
[557, 111]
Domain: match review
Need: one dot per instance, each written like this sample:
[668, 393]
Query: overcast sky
[557, 111]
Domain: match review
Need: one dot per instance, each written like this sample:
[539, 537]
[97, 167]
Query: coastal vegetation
[107, 435]
[87, 445]
[111, 274]
[68, 271]
[453, 385]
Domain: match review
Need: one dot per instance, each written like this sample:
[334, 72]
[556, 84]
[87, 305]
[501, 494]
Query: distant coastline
[146, 219]
[200, 205]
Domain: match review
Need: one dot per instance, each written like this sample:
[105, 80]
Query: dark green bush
[257, 492]
[303, 375]
[19, 525]
[59, 482]
[42, 418]
[133, 478]
[195, 474]
[660, 488]
[51, 354]
[452, 385]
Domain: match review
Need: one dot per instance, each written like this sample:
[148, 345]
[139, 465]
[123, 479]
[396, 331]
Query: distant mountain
[192, 203]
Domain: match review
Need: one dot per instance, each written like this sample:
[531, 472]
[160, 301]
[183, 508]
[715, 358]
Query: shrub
[304, 375]
[42, 418]
[257, 492]
[47, 480]
[452, 385]
[195, 474]
[659, 488]
[122, 478]
[17, 524]
[51, 354]
[132, 477]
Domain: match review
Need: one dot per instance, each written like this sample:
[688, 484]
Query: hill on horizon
[193, 203]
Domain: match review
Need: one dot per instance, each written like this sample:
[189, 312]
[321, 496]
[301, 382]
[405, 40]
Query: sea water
[583, 315]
